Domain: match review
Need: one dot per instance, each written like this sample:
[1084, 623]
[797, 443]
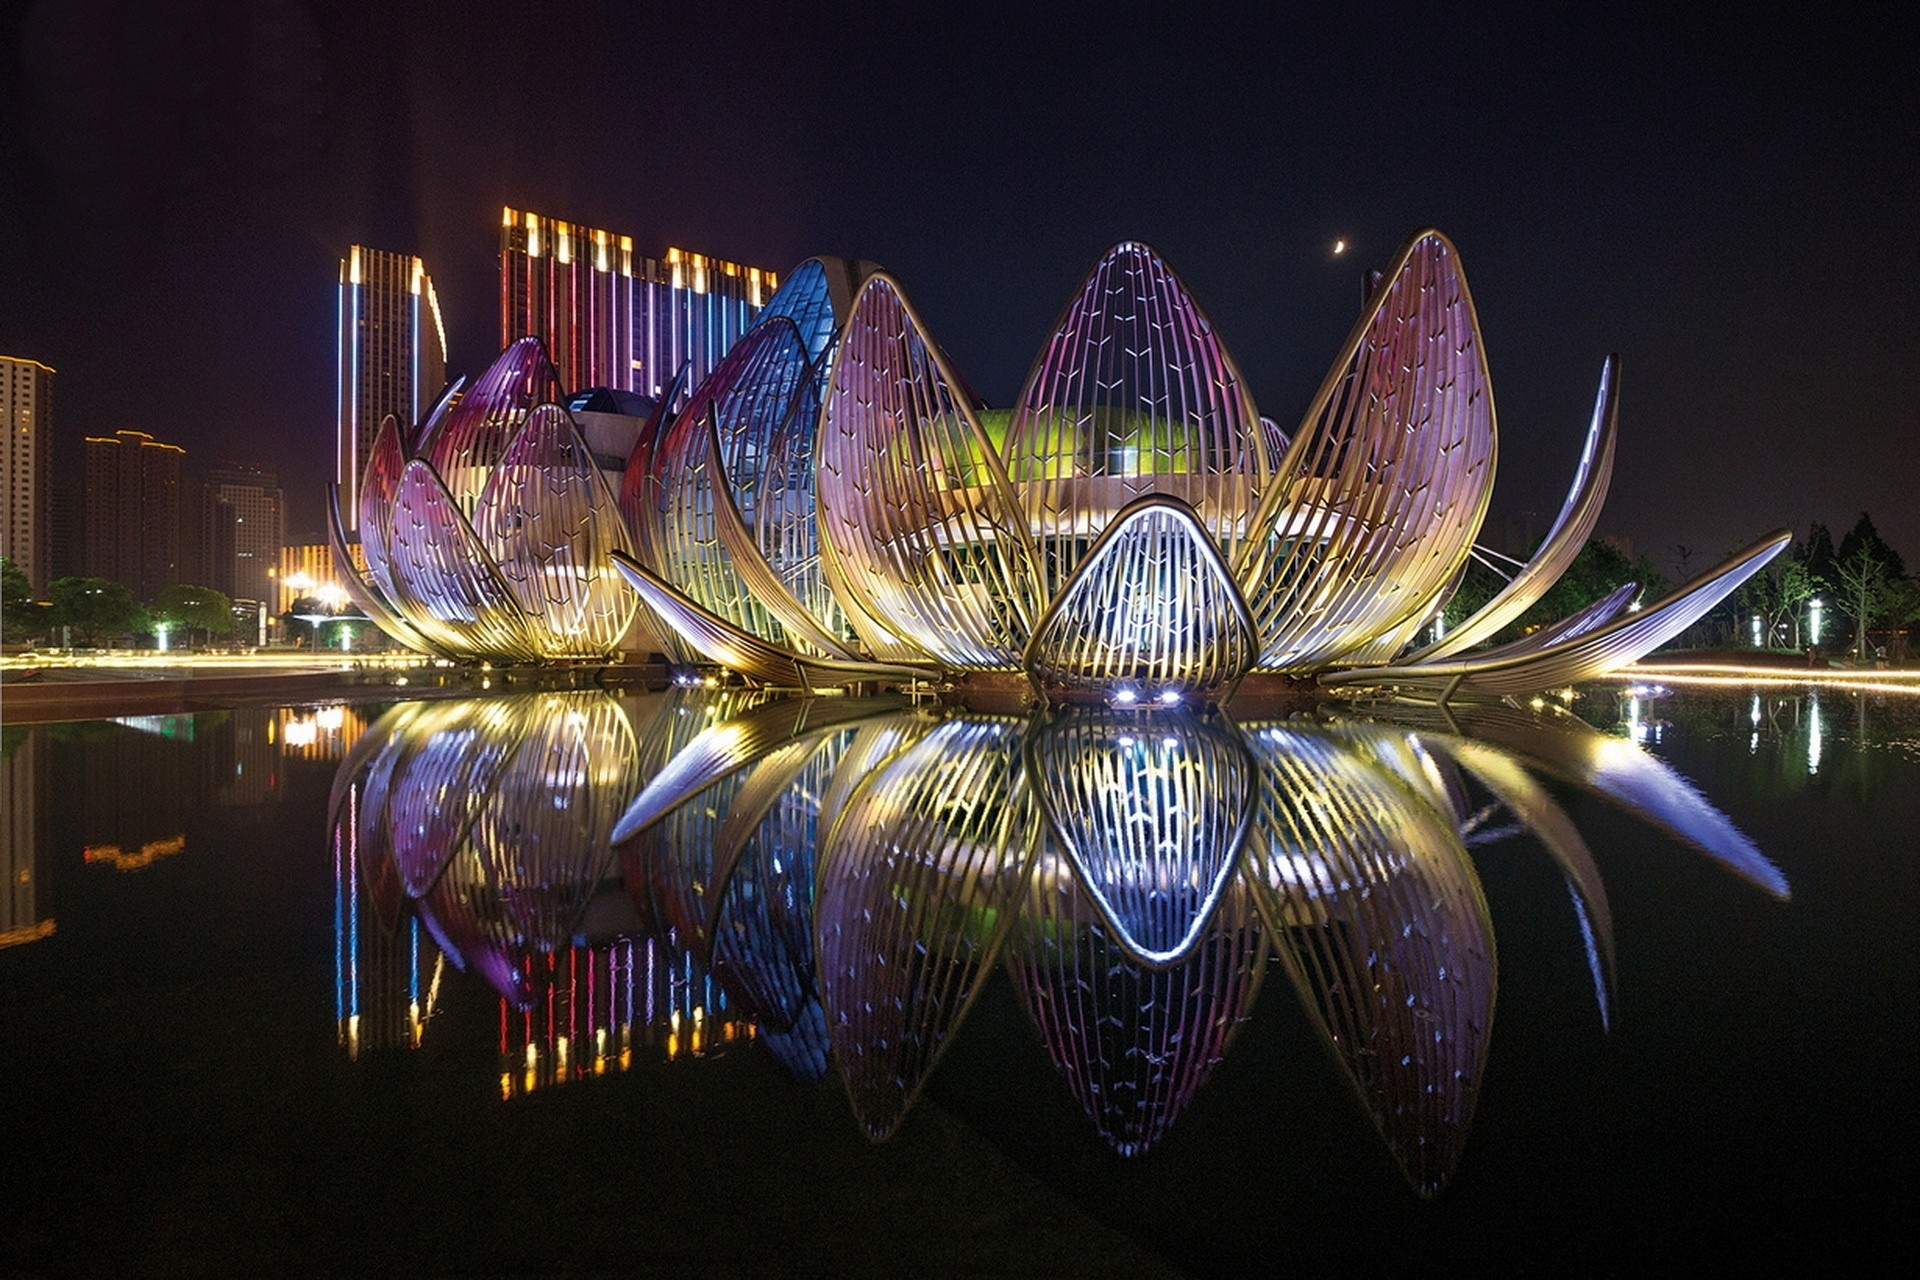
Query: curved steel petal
[549, 521]
[1387, 480]
[463, 448]
[1524, 668]
[1379, 921]
[385, 463]
[364, 594]
[1563, 542]
[719, 641]
[1151, 815]
[1152, 606]
[1133, 394]
[742, 404]
[444, 580]
[1134, 1043]
[925, 532]
[919, 883]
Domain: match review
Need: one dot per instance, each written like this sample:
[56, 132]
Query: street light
[1815, 610]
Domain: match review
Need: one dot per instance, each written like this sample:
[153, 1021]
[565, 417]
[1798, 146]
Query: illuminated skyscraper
[392, 357]
[611, 319]
[26, 460]
[133, 511]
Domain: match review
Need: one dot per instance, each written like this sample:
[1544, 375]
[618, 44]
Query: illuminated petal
[1151, 815]
[444, 579]
[719, 641]
[817, 296]
[919, 883]
[549, 521]
[385, 463]
[1379, 921]
[1563, 542]
[924, 532]
[1385, 485]
[364, 594]
[743, 403]
[1581, 652]
[1152, 607]
[469, 440]
[1133, 394]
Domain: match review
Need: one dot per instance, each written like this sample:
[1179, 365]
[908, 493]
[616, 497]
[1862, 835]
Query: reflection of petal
[723, 748]
[1567, 747]
[452, 759]
[1548, 822]
[1134, 1043]
[1583, 654]
[543, 833]
[1133, 394]
[457, 912]
[549, 521]
[762, 933]
[444, 579]
[918, 885]
[1563, 542]
[1151, 814]
[923, 530]
[1387, 480]
[466, 443]
[1379, 921]
[1152, 604]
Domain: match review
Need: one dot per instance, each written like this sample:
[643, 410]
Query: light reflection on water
[835, 883]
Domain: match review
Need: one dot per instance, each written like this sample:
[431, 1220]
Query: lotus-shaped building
[1133, 530]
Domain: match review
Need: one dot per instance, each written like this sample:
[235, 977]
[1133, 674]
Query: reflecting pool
[715, 980]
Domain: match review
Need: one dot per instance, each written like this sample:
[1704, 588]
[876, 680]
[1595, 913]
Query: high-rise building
[611, 319]
[392, 358]
[245, 528]
[26, 462]
[133, 511]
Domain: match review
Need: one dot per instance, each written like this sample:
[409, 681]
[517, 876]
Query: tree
[95, 609]
[1777, 593]
[1871, 593]
[194, 609]
[16, 600]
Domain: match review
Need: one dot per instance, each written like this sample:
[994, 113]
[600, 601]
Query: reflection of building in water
[593, 1005]
[23, 789]
[386, 971]
[246, 758]
[318, 733]
[133, 826]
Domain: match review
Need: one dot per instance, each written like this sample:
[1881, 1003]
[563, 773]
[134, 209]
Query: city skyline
[1725, 209]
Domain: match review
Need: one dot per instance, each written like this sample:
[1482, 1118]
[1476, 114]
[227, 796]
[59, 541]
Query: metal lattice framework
[494, 539]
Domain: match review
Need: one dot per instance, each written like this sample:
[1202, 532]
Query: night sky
[1727, 203]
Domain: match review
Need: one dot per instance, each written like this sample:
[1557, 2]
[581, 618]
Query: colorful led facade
[612, 318]
[392, 357]
[26, 467]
